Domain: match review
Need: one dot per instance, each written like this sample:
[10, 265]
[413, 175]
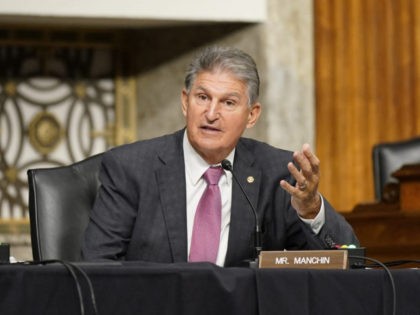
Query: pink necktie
[206, 231]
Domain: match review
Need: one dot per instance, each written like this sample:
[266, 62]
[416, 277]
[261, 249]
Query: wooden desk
[386, 235]
[390, 228]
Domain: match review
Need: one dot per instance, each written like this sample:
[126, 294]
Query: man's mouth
[210, 128]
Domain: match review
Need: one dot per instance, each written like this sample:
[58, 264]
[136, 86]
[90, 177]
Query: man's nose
[213, 110]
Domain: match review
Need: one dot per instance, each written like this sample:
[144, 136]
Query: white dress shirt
[195, 167]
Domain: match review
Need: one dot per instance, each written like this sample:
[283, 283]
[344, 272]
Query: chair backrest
[389, 157]
[60, 200]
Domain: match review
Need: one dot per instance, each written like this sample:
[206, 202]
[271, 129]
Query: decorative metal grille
[57, 105]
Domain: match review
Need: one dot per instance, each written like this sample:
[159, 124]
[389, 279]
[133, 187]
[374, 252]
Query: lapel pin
[250, 179]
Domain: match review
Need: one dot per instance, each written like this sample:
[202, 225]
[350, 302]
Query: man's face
[217, 113]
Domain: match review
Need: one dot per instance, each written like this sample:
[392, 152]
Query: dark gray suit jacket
[140, 211]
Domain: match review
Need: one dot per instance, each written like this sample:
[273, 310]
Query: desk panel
[131, 288]
[337, 292]
[202, 288]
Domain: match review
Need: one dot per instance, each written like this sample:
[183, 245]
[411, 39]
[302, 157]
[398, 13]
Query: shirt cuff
[318, 222]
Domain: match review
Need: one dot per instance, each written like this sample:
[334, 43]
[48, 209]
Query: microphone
[227, 165]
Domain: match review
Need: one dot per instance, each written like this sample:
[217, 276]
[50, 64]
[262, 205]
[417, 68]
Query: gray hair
[239, 63]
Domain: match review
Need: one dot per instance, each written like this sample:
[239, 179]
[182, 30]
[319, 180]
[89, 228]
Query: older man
[168, 200]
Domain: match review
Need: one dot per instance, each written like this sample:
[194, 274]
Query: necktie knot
[212, 175]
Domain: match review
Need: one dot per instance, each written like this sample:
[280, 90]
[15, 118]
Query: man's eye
[202, 97]
[230, 103]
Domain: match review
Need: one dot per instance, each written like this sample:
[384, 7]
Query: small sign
[305, 259]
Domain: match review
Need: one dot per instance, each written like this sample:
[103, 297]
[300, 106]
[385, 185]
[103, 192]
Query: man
[148, 204]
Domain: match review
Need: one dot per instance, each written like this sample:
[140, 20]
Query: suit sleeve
[285, 230]
[336, 229]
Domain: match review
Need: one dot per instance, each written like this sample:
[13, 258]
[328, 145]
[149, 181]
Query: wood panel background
[367, 64]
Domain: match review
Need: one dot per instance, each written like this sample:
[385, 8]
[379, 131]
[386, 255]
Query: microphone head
[227, 165]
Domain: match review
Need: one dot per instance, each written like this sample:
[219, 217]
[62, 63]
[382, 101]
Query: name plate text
[312, 259]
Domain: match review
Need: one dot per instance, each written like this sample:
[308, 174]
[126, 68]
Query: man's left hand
[305, 197]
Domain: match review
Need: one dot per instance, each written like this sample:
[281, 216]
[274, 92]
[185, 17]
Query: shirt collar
[195, 165]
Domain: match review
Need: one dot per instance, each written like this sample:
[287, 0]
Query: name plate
[305, 259]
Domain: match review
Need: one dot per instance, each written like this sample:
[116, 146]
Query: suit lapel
[242, 221]
[171, 183]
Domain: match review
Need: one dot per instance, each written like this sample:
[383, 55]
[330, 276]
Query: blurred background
[78, 77]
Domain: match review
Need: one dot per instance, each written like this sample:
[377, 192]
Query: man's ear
[254, 114]
[184, 101]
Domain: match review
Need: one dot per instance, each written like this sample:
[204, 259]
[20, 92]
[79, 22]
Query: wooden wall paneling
[415, 11]
[367, 74]
[388, 80]
[324, 42]
[373, 71]
[340, 105]
[404, 66]
[344, 116]
[357, 107]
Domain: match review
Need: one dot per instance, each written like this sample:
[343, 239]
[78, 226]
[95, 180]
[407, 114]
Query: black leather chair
[389, 157]
[60, 200]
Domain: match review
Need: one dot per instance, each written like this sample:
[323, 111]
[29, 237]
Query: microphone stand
[252, 263]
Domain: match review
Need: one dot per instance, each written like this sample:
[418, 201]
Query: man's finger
[287, 187]
[313, 159]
